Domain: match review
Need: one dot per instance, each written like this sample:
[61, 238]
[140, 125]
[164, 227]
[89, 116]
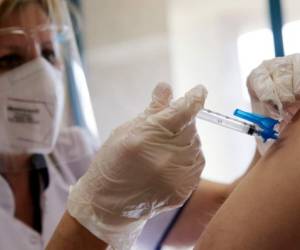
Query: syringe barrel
[224, 121]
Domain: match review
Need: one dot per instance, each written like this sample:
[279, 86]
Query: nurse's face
[26, 34]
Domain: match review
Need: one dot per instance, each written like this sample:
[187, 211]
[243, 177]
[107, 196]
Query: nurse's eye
[50, 56]
[11, 61]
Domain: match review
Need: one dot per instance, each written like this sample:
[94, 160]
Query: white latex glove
[148, 165]
[274, 88]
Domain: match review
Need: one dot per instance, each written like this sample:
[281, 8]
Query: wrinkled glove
[148, 165]
[274, 88]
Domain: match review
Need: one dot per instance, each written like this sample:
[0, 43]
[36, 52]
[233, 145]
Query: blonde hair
[51, 7]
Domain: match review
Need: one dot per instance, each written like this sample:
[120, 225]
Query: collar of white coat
[7, 201]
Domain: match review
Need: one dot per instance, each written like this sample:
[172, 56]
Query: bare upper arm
[263, 212]
[202, 206]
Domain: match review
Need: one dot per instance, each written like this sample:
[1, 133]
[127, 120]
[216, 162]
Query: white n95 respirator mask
[31, 104]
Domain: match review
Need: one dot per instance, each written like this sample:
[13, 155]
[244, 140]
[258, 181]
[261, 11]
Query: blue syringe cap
[267, 124]
[268, 134]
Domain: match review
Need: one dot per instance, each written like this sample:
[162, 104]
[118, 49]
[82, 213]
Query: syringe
[227, 122]
[263, 126]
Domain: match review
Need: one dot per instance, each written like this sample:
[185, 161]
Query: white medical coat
[73, 154]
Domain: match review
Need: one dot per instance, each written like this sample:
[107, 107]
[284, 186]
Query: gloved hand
[148, 165]
[274, 88]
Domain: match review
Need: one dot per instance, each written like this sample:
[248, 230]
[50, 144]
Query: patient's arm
[203, 205]
[263, 212]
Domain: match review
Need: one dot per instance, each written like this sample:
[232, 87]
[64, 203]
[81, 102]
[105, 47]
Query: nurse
[42, 154]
